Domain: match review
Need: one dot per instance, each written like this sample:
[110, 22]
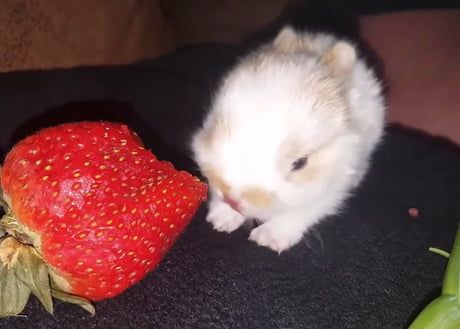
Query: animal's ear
[286, 40]
[341, 58]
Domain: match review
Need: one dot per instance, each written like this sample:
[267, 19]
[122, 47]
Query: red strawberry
[93, 211]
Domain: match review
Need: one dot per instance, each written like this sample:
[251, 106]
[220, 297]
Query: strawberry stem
[23, 271]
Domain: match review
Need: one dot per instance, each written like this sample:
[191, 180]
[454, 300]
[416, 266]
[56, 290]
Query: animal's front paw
[223, 218]
[276, 236]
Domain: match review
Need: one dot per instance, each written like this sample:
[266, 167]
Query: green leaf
[69, 298]
[442, 313]
[13, 293]
[33, 272]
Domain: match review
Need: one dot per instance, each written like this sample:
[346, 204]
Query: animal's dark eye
[299, 163]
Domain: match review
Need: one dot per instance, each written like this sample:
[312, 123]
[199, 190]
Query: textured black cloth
[366, 268]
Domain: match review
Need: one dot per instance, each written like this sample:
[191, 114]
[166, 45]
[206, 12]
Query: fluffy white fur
[302, 94]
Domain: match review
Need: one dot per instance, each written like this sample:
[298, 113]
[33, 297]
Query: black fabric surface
[367, 268]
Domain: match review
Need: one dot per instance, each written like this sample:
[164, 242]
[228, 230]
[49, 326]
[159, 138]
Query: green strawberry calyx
[23, 272]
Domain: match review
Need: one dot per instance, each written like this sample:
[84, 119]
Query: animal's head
[278, 130]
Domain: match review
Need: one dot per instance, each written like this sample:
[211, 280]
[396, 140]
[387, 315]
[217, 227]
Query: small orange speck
[98, 176]
[93, 224]
[146, 210]
[135, 238]
[106, 157]
[133, 211]
[143, 224]
[115, 212]
[168, 205]
[172, 226]
[121, 159]
[137, 161]
[43, 212]
[156, 215]
[38, 162]
[164, 191]
[77, 174]
[115, 194]
[48, 167]
[114, 179]
[165, 219]
[99, 234]
[102, 167]
[102, 214]
[80, 263]
[86, 164]
[81, 235]
[54, 183]
[88, 194]
[116, 151]
[125, 237]
[110, 238]
[88, 251]
[109, 222]
[67, 157]
[99, 261]
[120, 225]
[55, 194]
[130, 253]
[89, 270]
[76, 186]
[45, 178]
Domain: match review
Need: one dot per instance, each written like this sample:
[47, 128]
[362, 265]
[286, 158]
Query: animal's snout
[257, 197]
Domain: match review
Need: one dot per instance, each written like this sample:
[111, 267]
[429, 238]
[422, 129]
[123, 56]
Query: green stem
[439, 252]
[450, 284]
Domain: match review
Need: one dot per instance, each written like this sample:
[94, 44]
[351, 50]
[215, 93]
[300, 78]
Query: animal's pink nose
[232, 203]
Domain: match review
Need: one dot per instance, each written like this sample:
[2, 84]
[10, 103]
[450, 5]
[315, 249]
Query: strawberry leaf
[69, 298]
[13, 293]
[32, 271]
[10, 224]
